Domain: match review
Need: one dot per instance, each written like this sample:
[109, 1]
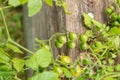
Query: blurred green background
[14, 22]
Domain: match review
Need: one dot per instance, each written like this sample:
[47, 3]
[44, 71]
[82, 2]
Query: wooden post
[52, 19]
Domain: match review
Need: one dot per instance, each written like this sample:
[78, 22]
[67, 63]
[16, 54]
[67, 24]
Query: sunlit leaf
[14, 2]
[18, 64]
[13, 48]
[34, 7]
[67, 73]
[87, 21]
[3, 57]
[49, 2]
[118, 67]
[23, 1]
[47, 75]
[114, 31]
[41, 58]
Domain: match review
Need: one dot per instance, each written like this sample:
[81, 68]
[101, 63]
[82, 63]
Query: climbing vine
[100, 46]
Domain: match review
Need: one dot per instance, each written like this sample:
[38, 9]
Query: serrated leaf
[67, 73]
[7, 73]
[18, 64]
[47, 75]
[114, 31]
[23, 1]
[13, 48]
[88, 21]
[3, 57]
[41, 58]
[14, 2]
[49, 2]
[34, 7]
[98, 24]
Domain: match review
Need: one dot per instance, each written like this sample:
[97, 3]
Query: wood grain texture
[53, 19]
[74, 20]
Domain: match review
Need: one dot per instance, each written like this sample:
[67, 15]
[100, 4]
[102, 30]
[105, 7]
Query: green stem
[20, 46]
[6, 7]
[105, 51]
[110, 75]
[4, 21]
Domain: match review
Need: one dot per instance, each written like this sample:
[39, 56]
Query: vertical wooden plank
[28, 34]
[74, 20]
[50, 20]
[28, 30]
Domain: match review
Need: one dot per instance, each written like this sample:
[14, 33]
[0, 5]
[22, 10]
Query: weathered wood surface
[52, 19]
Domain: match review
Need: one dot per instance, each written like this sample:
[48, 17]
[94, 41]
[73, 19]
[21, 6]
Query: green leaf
[81, 78]
[13, 48]
[88, 21]
[23, 1]
[49, 2]
[47, 75]
[5, 68]
[98, 24]
[110, 68]
[34, 7]
[118, 67]
[114, 41]
[111, 61]
[41, 58]
[14, 2]
[64, 6]
[7, 73]
[18, 64]
[109, 78]
[114, 31]
[67, 73]
[3, 57]
[89, 33]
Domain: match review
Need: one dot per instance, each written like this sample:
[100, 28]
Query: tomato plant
[83, 39]
[65, 59]
[71, 44]
[96, 62]
[72, 36]
[61, 39]
[58, 45]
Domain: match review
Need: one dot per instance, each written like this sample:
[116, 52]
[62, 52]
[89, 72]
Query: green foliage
[47, 75]
[14, 2]
[87, 21]
[18, 64]
[49, 2]
[13, 48]
[34, 7]
[41, 58]
[23, 1]
[118, 67]
[114, 31]
[67, 73]
[99, 46]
